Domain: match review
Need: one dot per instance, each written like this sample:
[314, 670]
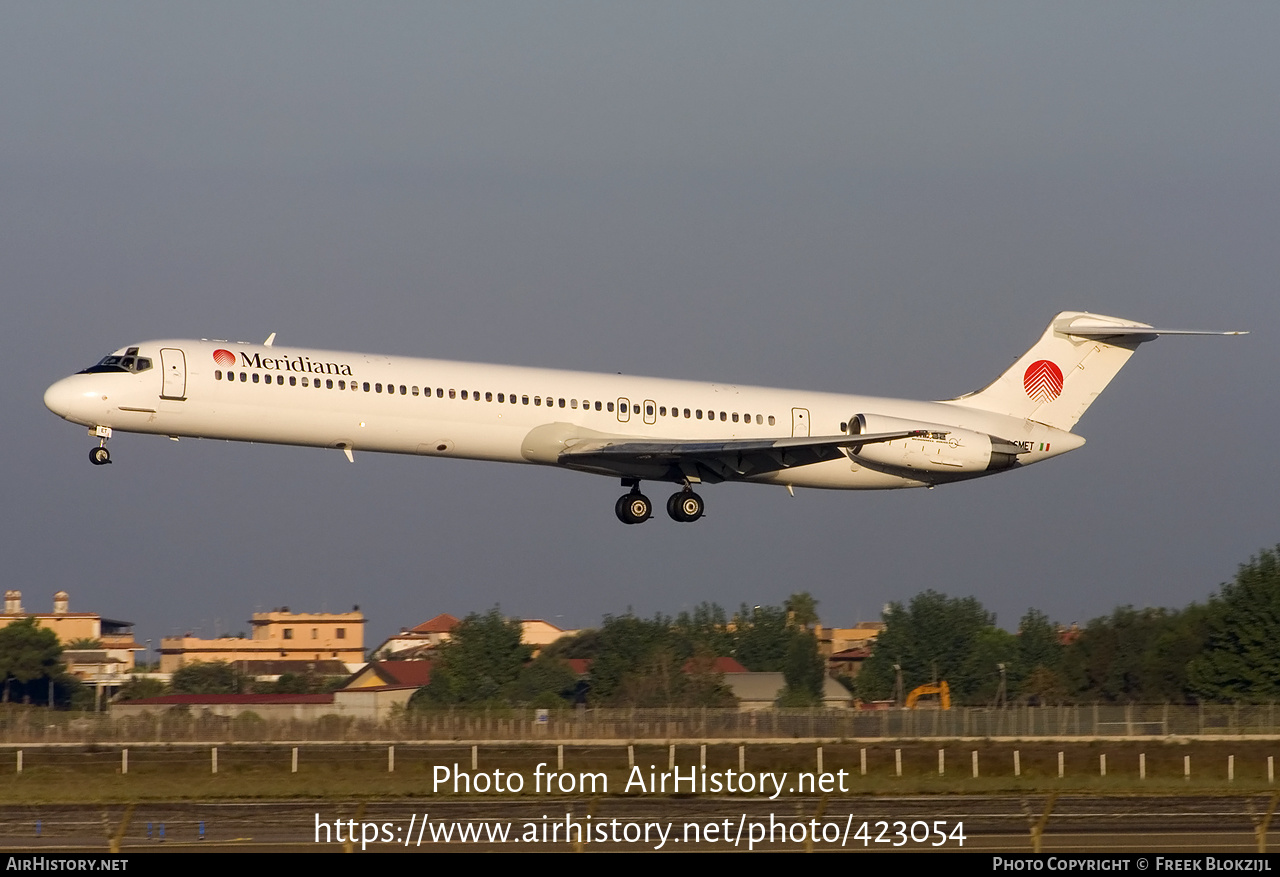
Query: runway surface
[995, 823]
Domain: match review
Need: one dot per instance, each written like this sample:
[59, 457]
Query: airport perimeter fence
[184, 725]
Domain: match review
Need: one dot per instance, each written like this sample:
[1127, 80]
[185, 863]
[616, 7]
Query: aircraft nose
[58, 397]
[68, 396]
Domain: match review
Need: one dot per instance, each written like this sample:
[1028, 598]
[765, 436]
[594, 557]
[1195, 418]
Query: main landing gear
[636, 508]
[100, 456]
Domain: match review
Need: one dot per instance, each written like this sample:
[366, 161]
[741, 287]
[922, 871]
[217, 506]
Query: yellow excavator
[941, 689]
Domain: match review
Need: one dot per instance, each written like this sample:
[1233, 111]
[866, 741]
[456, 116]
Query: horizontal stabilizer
[1057, 379]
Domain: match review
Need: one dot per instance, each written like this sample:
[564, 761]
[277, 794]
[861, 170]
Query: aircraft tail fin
[1057, 379]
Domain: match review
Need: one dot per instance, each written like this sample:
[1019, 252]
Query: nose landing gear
[100, 456]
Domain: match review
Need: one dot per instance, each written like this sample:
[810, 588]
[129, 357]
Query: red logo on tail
[224, 358]
[1043, 381]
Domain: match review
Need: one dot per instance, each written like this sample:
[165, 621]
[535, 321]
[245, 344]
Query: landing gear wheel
[99, 456]
[685, 506]
[633, 508]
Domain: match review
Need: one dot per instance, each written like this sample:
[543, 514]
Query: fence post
[391, 759]
[20, 761]
[1061, 764]
[704, 757]
[1102, 764]
[560, 757]
[293, 767]
[864, 761]
[897, 761]
[1142, 765]
[1186, 768]
[975, 764]
[1017, 764]
[124, 760]
[742, 757]
[1231, 768]
[942, 762]
[213, 759]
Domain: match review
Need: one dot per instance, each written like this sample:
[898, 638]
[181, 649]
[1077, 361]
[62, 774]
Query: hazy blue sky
[885, 198]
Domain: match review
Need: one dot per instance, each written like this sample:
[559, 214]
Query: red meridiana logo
[1043, 381]
[226, 358]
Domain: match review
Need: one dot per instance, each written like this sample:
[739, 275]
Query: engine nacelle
[940, 448]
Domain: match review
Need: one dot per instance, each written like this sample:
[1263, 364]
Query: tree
[479, 663]
[140, 687]
[763, 638]
[803, 672]
[655, 663]
[207, 677]
[83, 642]
[1133, 655]
[802, 609]
[932, 638]
[29, 654]
[1241, 660]
[635, 663]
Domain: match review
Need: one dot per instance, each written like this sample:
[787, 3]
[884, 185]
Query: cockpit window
[131, 362]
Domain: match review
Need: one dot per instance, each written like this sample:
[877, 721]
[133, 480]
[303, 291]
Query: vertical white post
[1271, 769]
[942, 762]
[1231, 768]
[1017, 764]
[293, 767]
[631, 755]
[897, 761]
[1102, 765]
[1186, 767]
[975, 764]
[702, 756]
[1062, 766]
[391, 759]
[671, 757]
[213, 759]
[560, 757]
[819, 758]
[864, 762]
[742, 757]
[19, 761]
[475, 757]
[1142, 765]
[124, 761]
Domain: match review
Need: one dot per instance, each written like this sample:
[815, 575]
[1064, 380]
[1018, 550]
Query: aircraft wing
[712, 461]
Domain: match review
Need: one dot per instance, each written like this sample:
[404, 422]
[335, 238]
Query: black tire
[633, 508]
[673, 507]
[690, 505]
[99, 456]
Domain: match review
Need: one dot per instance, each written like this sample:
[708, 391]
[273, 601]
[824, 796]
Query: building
[417, 642]
[846, 648]
[110, 651]
[293, 642]
[421, 642]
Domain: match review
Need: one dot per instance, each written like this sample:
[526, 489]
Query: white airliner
[632, 428]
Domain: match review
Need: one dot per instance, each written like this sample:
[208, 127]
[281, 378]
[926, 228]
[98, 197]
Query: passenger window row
[501, 398]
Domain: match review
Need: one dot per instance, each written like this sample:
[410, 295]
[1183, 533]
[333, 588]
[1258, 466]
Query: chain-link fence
[35, 725]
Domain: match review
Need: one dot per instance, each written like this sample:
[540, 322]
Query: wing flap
[671, 459]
